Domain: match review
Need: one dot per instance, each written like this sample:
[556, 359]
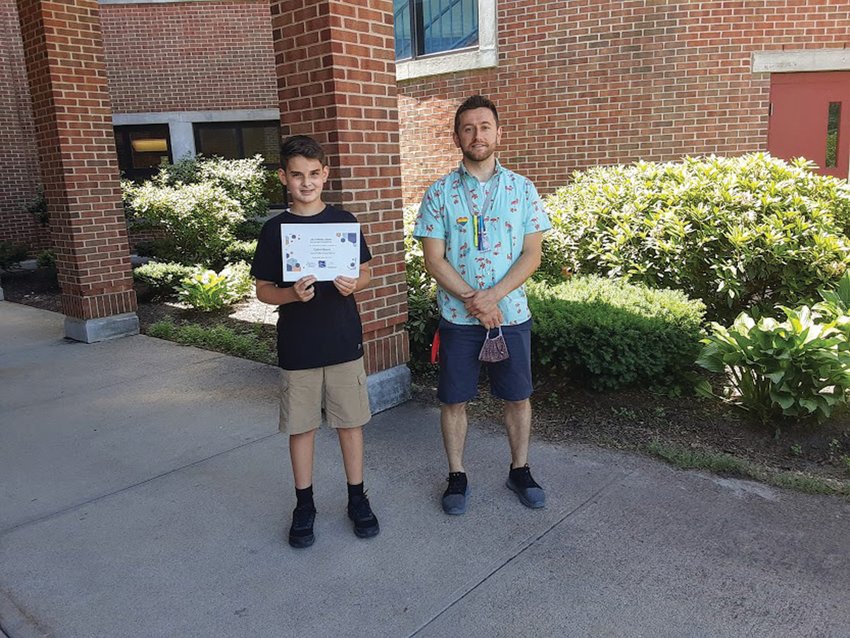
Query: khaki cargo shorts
[339, 389]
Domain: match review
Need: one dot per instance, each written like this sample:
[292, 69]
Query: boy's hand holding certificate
[321, 250]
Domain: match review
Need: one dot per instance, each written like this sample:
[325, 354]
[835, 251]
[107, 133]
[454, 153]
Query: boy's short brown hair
[304, 146]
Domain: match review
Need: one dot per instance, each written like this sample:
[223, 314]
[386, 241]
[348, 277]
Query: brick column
[335, 63]
[64, 55]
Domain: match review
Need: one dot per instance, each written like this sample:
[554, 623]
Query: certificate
[322, 250]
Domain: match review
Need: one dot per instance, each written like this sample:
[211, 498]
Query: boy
[319, 343]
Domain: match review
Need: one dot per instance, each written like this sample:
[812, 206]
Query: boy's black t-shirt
[325, 330]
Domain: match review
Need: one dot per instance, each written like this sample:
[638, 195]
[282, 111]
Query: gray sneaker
[454, 498]
[529, 492]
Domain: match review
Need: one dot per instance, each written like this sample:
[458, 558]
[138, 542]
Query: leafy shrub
[244, 180]
[423, 316]
[46, 259]
[240, 280]
[610, 334]
[201, 205]
[38, 207]
[218, 338]
[11, 254]
[162, 278]
[248, 230]
[799, 367]
[835, 304]
[198, 220]
[240, 250]
[734, 232]
[207, 290]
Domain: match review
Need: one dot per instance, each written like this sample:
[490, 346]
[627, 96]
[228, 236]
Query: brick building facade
[578, 83]
[581, 83]
[18, 159]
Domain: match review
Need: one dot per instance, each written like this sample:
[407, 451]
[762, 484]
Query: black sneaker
[456, 494]
[365, 521]
[529, 492]
[301, 532]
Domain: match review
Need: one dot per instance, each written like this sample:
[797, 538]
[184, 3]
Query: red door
[810, 117]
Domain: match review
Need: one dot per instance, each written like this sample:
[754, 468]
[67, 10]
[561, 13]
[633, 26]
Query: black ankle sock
[514, 471]
[305, 497]
[355, 491]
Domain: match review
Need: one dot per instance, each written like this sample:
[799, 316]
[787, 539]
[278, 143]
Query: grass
[721, 463]
[247, 345]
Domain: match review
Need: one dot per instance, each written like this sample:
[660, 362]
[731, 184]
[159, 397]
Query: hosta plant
[799, 367]
[208, 290]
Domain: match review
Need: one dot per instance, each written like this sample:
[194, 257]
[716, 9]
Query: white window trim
[801, 60]
[484, 56]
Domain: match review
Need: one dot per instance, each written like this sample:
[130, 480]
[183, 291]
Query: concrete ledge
[102, 329]
[801, 60]
[388, 388]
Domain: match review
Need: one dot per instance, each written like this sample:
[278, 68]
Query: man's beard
[476, 156]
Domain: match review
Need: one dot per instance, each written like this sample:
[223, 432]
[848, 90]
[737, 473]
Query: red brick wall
[19, 173]
[73, 123]
[336, 79]
[189, 56]
[582, 83]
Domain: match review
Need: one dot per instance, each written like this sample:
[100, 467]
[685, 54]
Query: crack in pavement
[527, 545]
[95, 499]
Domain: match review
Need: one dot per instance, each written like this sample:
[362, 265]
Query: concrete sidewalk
[145, 492]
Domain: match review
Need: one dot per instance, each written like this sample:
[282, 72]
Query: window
[833, 121]
[141, 149]
[423, 27]
[443, 36]
[237, 140]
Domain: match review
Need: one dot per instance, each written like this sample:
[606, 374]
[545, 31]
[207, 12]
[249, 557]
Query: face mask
[494, 348]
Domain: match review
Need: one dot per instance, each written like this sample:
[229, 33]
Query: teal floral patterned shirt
[484, 228]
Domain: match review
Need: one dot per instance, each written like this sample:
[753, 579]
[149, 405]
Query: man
[482, 228]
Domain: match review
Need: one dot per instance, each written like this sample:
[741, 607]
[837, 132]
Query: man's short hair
[304, 146]
[475, 102]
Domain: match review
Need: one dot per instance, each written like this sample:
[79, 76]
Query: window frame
[126, 157]
[482, 56]
[239, 126]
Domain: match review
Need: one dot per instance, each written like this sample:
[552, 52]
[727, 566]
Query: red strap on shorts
[435, 347]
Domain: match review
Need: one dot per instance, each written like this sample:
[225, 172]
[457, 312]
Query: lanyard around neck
[488, 197]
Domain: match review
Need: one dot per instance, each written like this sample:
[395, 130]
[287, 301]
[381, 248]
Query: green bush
[38, 207]
[218, 338]
[162, 278]
[423, 316]
[244, 180]
[798, 367]
[46, 259]
[248, 230]
[610, 334]
[198, 220]
[240, 250]
[207, 290]
[11, 254]
[743, 232]
[201, 206]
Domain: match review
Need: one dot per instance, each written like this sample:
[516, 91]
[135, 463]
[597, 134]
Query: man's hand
[303, 288]
[490, 320]
[481, 302]
[345, 285]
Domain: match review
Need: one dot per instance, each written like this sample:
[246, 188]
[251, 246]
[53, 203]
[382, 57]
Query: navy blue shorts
[510, 379]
